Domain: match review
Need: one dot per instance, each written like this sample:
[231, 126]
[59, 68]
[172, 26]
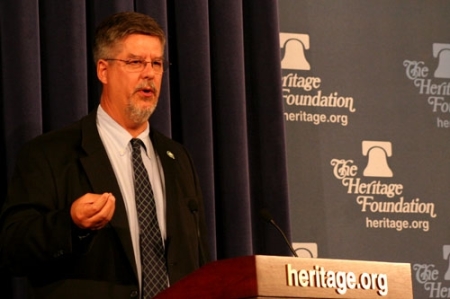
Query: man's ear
[102, 70]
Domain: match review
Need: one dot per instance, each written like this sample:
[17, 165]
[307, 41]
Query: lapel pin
[169, 153]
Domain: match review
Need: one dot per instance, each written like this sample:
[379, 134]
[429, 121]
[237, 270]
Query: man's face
[131, 96]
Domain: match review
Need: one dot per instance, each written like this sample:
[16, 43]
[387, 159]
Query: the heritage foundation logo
[435, 85]
[305, 101]
[378, 197]
[434, 282]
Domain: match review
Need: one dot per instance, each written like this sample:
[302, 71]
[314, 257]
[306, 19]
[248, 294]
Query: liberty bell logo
[446, 254]
[377, 163]
[442, 52]
[293, 46]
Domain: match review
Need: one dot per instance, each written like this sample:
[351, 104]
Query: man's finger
[99, 202]
[102, 217]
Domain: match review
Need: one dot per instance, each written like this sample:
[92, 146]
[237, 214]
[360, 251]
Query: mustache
[146, 85]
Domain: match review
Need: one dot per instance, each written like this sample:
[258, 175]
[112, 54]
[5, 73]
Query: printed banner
[366, 90]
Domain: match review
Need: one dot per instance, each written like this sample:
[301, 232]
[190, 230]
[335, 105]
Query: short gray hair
[115, 28]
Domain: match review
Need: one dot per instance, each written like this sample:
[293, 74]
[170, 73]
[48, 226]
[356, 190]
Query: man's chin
[141, 115]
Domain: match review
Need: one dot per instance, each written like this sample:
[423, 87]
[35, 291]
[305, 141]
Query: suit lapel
[167, 158]
[169, 164]
[101, 176]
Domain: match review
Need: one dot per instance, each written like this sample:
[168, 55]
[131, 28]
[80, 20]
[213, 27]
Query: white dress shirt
[118, 147]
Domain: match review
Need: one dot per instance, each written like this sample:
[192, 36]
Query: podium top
[288, 277]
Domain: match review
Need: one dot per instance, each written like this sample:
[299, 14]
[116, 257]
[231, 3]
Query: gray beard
[139, 116]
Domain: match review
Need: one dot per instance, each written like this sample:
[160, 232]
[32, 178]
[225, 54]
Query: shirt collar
[119, 136]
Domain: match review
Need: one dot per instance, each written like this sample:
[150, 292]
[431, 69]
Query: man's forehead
[140, 44]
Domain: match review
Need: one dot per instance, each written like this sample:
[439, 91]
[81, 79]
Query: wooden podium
[263, 276]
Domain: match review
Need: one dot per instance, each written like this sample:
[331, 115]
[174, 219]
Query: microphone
[265, 214]
[193, 207]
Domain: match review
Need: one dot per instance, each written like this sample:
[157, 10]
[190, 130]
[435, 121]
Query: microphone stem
[285, 238]
[200, 245]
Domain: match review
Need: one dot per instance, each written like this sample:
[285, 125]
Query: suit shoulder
[167, 146]
[60, 140]
[161, 139]
[59, 136]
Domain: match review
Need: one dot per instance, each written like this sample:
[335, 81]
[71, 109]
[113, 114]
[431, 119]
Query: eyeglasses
[138, 65]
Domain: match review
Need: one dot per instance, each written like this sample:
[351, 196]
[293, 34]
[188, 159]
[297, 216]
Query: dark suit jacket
[39, 240]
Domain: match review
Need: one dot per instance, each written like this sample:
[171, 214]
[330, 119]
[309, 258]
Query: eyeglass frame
[165, 64]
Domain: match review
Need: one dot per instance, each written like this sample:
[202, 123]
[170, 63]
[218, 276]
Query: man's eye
[157, 63]
[136, 63]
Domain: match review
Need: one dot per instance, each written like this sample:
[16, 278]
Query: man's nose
[148, 71]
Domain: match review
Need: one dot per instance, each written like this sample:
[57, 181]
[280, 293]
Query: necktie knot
[136, 144]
